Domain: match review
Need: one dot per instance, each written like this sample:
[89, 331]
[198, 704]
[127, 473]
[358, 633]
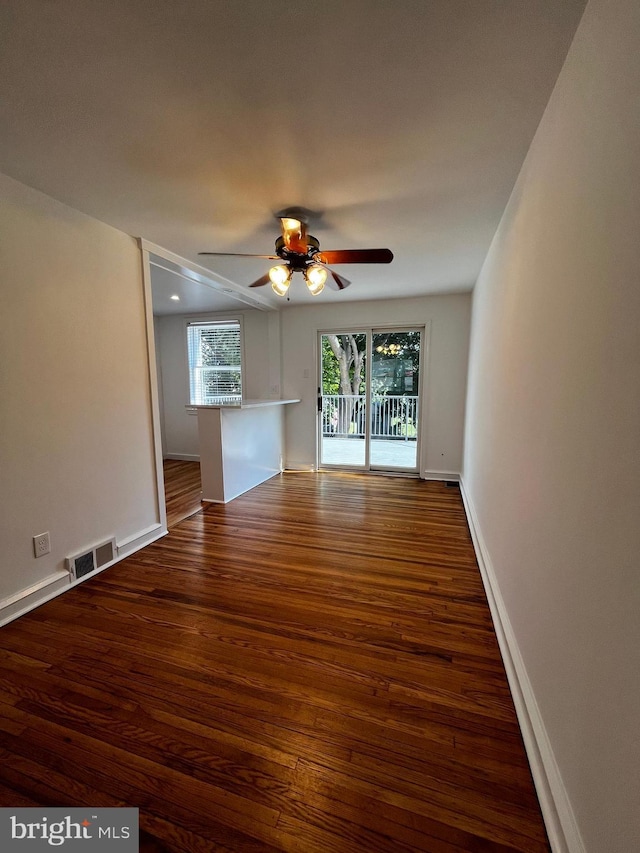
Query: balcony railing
[391, 416]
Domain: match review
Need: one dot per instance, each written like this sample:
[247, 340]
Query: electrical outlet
[41, 544]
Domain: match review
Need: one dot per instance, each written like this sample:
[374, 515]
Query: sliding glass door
[369, 399]
[343, 399]
[395, 382]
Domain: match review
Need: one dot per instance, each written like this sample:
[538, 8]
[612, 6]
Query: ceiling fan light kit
[300, 252]
[280, 277]
[315, 276]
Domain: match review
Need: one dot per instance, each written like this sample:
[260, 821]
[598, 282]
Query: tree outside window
[215, 362]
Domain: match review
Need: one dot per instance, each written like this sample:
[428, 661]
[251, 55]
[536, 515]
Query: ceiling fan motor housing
[297, 261]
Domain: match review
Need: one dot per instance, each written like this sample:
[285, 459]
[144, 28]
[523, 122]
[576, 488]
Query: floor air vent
[97, 558]
[82, 564]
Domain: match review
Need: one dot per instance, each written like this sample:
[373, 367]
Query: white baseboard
[33, 596]
[143, 537]
[562, 828]
[183, 457]
[26, 599]
[453, 476]
[300, 466]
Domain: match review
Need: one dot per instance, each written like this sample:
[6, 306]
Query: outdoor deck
[385, 453]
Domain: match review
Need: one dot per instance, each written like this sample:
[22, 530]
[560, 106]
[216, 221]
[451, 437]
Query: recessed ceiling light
[175, 297]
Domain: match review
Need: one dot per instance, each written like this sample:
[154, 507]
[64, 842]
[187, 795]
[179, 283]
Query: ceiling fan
[300, 252]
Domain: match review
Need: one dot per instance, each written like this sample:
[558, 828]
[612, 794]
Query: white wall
[260, 372]
[76, 448]
[553, 426]
[447, 317]
[179, 426]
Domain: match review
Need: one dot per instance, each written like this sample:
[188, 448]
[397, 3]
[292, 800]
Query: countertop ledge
[245, 404]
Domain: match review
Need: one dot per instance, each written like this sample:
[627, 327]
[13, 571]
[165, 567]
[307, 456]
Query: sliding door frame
[369, 331]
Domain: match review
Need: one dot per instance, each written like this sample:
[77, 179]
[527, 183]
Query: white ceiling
[404, 123]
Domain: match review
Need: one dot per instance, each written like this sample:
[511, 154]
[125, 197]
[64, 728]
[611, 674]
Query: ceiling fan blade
[294, 234]
[357, 256]
[340, 281]
[264, 279]
[239, 255]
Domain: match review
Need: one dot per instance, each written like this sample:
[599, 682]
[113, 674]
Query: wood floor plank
[183, 490]
[310, 668]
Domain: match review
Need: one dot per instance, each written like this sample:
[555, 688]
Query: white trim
[441, 475]
[184, 457]
[28, 599]
[202, 275]
[558, 815]
[423, 398]
[144, 537]
[31, 590]
[154, 394]
[300, 467]
[25, 600]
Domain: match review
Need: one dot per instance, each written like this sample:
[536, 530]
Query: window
[215, 368]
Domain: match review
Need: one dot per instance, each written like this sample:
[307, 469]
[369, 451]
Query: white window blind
[215, 369]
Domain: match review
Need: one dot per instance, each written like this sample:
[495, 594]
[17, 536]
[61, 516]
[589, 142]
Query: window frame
[212, 320]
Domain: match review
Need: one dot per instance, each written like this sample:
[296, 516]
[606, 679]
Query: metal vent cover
[96, 558]
[104, 554]
[83, 564]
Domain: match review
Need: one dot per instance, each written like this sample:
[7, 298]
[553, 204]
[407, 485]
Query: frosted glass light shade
[280, 279]
[315, 276]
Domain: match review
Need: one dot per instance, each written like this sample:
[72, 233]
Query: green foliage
[220, 347]
[401, 350]
[331, 364]
[330, 369]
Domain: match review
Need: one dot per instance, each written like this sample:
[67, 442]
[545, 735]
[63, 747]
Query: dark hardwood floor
[310, 668]
[183, 488]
